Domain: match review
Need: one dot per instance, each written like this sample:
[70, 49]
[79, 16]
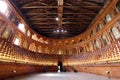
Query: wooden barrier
[108, 70]
[15, 69]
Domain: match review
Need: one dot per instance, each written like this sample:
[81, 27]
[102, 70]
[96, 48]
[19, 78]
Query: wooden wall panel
[14, 69]
[114, 71]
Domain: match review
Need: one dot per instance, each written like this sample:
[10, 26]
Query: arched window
[32, 47]
[118, 6]
[34, 37]
[108, 18]
[25, 44]
[14, 18]
[22, 27]
[41, 40]
[47, 50]
[90, 46]
[98, 44]
[93, 32]
[6, 33]
[39, 49]
[99, 26]
[28, 33]
[17, 40]
[104, 38]
[116, 32]
[59, 52]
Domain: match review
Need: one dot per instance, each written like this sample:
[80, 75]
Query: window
[28, 33]
[34, 37]
[13, 18]
[46, 50]
[93, 32]
[32, 47]
[118, 6]
[108, 18]
[99, 26]
[25, 44]
[21, 27]
[97, 42]
[17, 39]
[116, 32]
[90, 46]
[104, 38]
[3, 6]
[59, 52]
[16, 42]
[39, 49]
[6, 33]
[41, 40]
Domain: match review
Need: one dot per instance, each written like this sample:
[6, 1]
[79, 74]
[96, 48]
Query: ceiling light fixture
[59, 30]
[57, 18]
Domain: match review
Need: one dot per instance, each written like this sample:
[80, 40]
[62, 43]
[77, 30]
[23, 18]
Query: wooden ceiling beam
[92, 2]
[39, 13]
[38, 7]
[95, 11]
[60, 12]
[31, 3]
[62, 23]
[68, 27]
[63, 18]
[80, 10]
[66, 16]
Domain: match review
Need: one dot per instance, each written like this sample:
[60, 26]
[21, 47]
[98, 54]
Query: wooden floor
[62, 76]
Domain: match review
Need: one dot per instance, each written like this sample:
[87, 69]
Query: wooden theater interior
[60, 36]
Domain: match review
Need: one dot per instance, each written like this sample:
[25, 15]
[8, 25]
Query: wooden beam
[92, 2]
[39, 13]
[31, 3]
[50, 27]
[62, 23]
[60, 12]
[38, 7]
[67, 16]
[63, 18]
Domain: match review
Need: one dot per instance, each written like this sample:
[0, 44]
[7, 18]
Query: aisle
[63, 76]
